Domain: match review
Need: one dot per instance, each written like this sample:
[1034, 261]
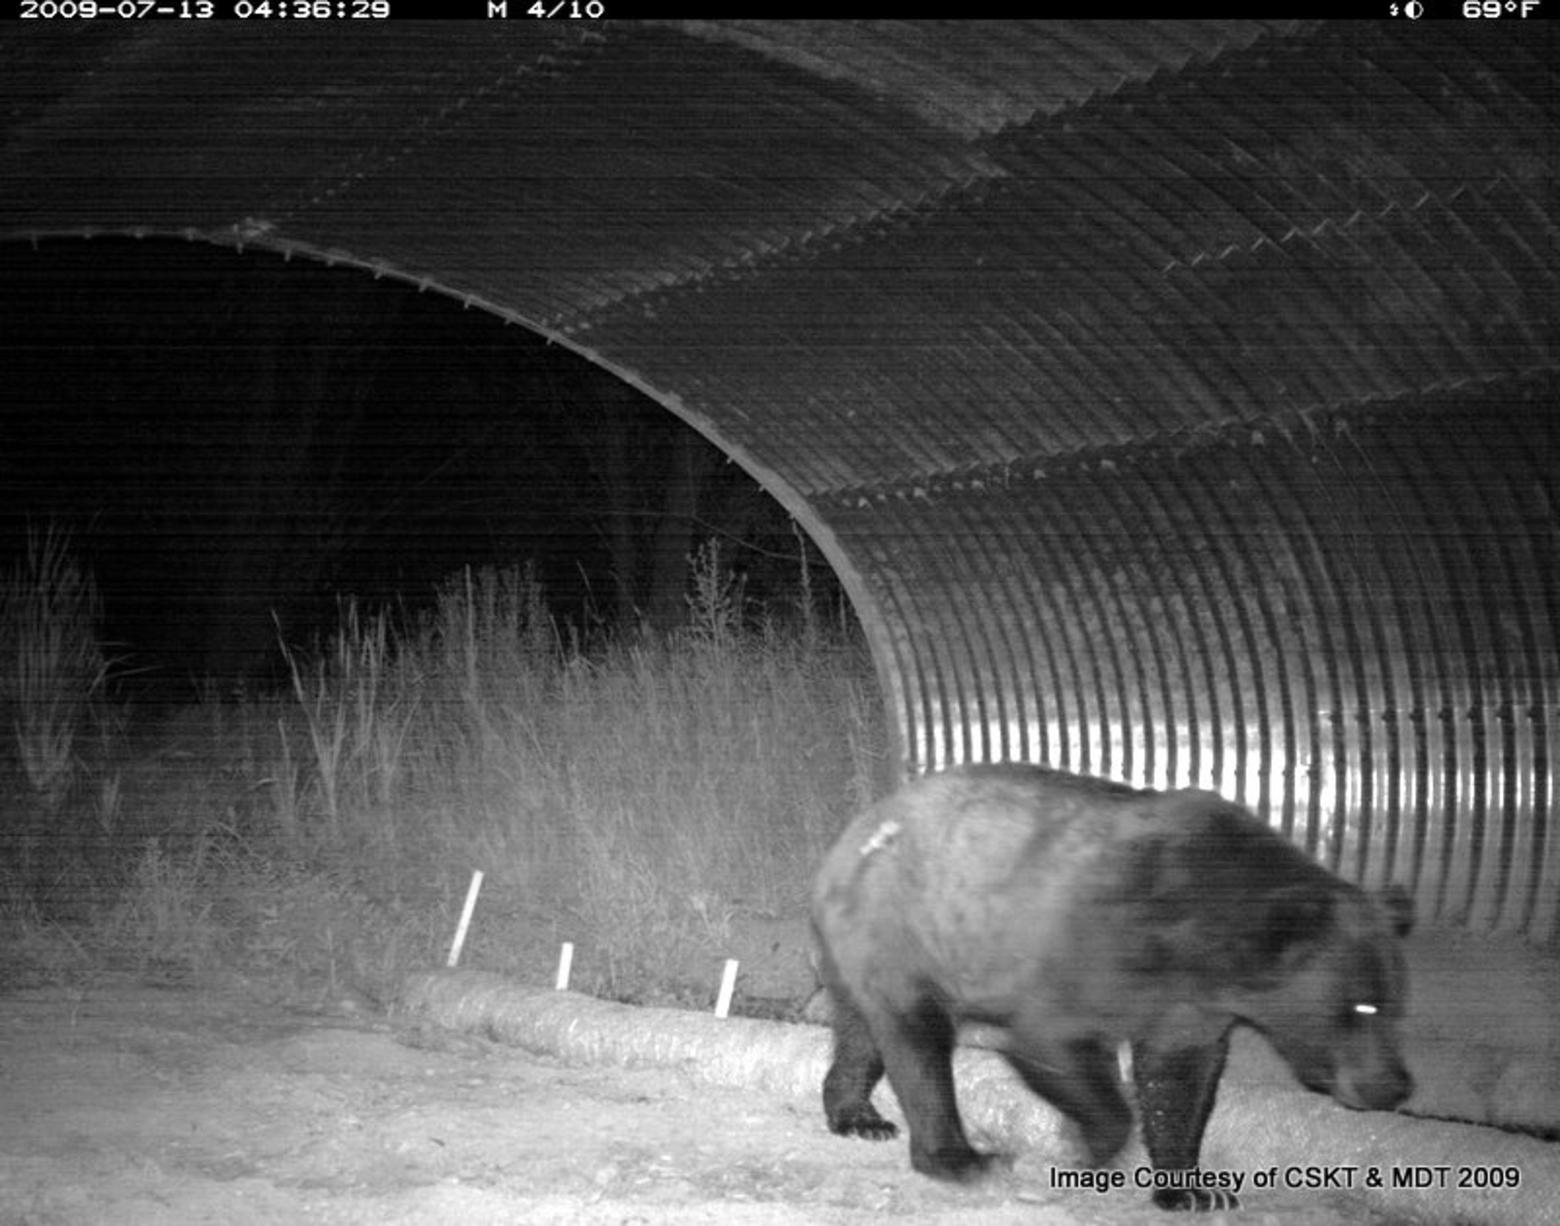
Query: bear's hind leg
[855, 1071]
[1079, 1079]
[1176, 1086]
[917, 1048]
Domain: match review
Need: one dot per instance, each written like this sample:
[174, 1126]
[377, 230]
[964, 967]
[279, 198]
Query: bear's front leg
[1176, 1086]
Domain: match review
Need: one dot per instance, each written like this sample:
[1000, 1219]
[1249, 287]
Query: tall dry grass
[639, 791]
[53, 672]
[641, 796]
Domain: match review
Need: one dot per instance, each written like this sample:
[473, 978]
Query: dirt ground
[127, 1104]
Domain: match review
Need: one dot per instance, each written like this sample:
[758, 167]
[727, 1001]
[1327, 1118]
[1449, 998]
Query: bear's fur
[1070, 915]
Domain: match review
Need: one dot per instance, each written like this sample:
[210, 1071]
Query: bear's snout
[1381, 1090]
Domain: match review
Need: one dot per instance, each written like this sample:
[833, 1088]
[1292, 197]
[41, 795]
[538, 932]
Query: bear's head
[1334, 996]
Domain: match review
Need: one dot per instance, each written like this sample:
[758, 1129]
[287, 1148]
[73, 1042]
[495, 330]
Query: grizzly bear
[1068, 915]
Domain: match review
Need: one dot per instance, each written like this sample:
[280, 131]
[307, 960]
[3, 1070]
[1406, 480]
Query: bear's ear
[1295, 918]
[1395, 901]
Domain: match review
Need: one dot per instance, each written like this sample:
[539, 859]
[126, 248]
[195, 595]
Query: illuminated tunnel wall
[1351, 629]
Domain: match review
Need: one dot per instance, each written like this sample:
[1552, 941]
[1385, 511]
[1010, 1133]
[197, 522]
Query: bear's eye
[1359, 1014]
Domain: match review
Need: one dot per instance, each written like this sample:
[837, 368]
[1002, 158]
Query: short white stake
[465, 916]
[565, 961]
[728, 981]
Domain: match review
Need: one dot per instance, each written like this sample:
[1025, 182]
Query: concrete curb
[1260, 1123]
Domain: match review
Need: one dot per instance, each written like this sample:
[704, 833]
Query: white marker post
[728, 981]
[565, 962]
[465, 917]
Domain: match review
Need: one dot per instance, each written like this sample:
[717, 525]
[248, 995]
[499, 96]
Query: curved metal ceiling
[1173, 398]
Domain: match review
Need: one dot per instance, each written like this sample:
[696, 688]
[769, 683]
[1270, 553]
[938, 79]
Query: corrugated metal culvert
[1174, 399]
[1349, 628]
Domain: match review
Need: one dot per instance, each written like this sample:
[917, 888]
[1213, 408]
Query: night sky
[230, 435]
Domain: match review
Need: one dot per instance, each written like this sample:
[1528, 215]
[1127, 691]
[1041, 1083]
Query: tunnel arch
[1171, 398]
[772, 481]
